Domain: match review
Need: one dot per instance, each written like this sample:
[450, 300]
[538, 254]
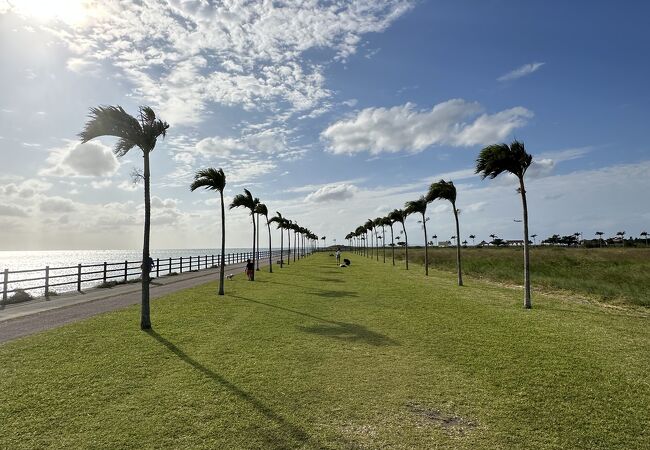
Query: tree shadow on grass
[349, 332]
[329, 280]
[298, 436]
[334, 294]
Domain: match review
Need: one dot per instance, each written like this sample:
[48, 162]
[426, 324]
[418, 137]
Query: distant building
[444, 243]
[514, 242]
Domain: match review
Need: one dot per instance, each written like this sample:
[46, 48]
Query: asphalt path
[39, 315]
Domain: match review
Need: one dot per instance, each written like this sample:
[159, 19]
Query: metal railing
[93, 275]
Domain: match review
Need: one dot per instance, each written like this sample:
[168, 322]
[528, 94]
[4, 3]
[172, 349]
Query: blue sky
[330, 112]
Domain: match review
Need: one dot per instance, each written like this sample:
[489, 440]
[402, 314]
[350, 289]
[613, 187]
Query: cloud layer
[403, 128]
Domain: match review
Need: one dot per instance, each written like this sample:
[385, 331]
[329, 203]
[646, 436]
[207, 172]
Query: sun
[69, 11]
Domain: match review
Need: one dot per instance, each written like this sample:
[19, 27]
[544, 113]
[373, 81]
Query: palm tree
[280, 221]
[261, 209]
[600, 238]
[287, 226]
[445, 190]
[361, 231]
[370, 225]
[534, 240]
[247, 201]
[420, 206]
[142, 132]
[496, 159]
[384, 222]
[378, 223]
[644, 234]
[214, 180]
[435, 238]
[472, 237]
[390, 223]
[399, 215]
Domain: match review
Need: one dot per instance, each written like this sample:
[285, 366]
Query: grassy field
[315, 356]
[612, 275]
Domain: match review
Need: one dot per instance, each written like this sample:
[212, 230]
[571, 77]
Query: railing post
[126, 270]
[47, 281]
[105, 272]
[5, 286]
[212, 261]
[157, 267]
[190, 263]
[181, 264]
[170, 265]
[79, 278]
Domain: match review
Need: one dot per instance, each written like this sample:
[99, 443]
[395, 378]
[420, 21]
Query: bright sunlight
[69, 11]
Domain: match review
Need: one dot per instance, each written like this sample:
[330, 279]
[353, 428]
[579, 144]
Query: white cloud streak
[522, 71]
[403, 128]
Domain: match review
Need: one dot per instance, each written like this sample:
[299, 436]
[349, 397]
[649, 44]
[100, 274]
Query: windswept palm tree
[247, 201]
[383, 223]
[390, 223]
[141, 132]
[445, 190]
[472, 237]
[360, 231]
[288, 224]
[280, 221]
[644, 234]
[214, 180]
[534, 236]
[398, 215]
[600, 238]
[492, 161]
[262, 210]
[369, 225]
[420, 206]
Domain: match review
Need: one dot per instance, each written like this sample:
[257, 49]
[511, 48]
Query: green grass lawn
[611, 275]
[315, 356]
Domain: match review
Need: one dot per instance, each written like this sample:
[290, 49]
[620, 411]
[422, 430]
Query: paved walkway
[31, 317]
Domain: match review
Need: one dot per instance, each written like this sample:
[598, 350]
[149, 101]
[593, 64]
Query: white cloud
[402, 128]
[101, 184]
[26, 189]
[522, 71]
[332, 192]
[56, 205]
[12, 211]
[256, 51]
[92, 159]
[129, 186]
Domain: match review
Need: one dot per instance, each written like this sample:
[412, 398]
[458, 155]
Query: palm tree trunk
[257, 252]
[460, 273]
[383, 242]
[288, 246]
[376, 246]
[268, 225]
[392, 242]
[145, 316]
[406, 242]
[281, 248]
[223, 246]
[426, 246]
[254, 230]
[527, 300]
[294, 247]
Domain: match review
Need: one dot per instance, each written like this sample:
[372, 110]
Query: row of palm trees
[143, 132]
[492, 161]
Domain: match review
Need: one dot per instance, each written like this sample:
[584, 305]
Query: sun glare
[69, 11]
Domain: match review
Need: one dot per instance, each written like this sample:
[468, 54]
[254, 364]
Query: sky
[331, 112]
